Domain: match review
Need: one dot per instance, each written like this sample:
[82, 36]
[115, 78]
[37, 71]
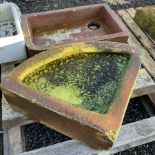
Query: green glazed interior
[87, 80]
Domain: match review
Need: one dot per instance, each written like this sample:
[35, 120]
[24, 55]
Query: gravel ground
[44, 5]
[37, 135]
[135, 112]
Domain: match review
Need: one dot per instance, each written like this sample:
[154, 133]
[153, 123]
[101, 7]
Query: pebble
[56, 5]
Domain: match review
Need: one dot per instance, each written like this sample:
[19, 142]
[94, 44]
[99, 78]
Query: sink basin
[11, 35]
[79, 89]
[81, 79]
[84, 23]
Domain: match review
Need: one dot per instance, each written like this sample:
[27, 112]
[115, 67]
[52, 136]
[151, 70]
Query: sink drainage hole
[94, 26]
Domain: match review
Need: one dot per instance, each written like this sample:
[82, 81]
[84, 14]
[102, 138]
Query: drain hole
[94, 26]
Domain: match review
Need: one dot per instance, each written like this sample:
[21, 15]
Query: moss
[145, 18]
[85, 80]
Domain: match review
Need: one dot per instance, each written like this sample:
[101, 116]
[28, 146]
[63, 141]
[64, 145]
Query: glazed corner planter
[81, 90]
[80, 24]
[12, 48]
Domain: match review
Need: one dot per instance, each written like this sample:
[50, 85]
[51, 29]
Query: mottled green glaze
[145, 18]
[86, 80]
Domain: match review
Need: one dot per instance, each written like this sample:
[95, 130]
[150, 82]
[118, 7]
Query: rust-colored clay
[85, 23]
[95, 127]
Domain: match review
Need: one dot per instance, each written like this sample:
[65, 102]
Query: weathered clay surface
[81, 90]
[85, 23]
[145, 18]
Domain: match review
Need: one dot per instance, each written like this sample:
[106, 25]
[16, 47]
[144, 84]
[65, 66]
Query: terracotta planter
[12, 44]
[84, 23]
[81, 90]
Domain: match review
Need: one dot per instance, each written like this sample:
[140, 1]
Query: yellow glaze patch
[66, 92]
[112, 134]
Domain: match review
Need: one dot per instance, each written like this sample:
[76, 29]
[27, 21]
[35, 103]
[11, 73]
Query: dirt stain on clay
[63, 33]
[7, 29]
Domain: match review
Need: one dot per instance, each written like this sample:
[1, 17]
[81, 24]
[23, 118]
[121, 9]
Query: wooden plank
[6, 144]
[150, 38]
[134, 42]
[1, 143]
[152, 98]
[131, 135]
[148, 63]
[9, 116]
[12, 141]
[131, 12]
[147, 60]
[144, 84]
[23, 138]
[137, 32]
[12, 136]
[149, 107]
[15, 140]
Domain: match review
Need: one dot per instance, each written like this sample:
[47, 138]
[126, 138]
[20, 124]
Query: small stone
[56, 5]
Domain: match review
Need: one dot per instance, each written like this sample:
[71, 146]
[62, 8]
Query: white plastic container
[12, 48]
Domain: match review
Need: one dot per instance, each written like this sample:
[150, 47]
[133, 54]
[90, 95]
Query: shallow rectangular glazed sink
[84, 23]
[81, 90]
[12, 44]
